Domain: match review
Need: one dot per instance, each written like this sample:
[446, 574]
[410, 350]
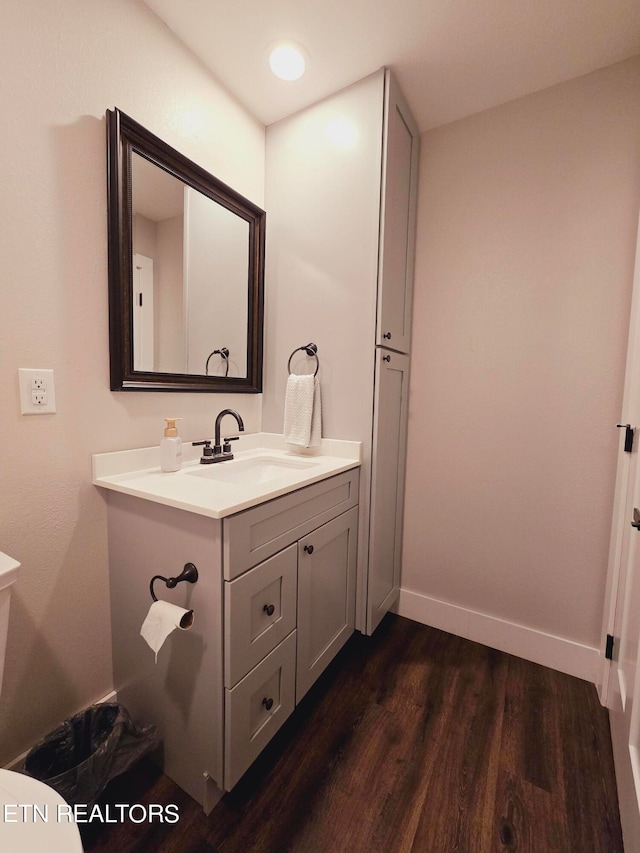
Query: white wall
[62, 64]
[526, 239]
[323, 192]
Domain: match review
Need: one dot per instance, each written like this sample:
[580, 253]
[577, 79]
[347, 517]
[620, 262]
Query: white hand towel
[303, 411]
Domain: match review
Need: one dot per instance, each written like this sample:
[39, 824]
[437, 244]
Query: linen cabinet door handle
[268, 609]
[268, 703]
[387, 335]
[308, 549]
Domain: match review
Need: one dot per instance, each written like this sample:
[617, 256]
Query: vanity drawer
[260, 611]
[253, 535]
[256, 708]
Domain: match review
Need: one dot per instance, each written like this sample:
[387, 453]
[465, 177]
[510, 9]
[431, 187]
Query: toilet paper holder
[189, 574]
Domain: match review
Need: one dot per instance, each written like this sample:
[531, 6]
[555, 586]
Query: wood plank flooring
[413, 740]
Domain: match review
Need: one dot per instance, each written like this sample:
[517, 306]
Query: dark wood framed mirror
[186, 271]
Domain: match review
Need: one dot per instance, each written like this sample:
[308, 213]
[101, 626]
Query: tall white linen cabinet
[341, 201]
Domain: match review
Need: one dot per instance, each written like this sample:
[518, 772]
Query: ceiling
[452, 58]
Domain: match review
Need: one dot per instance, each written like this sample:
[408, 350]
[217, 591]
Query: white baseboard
[555, 652]
[110, 697]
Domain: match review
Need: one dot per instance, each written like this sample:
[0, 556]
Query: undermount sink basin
[247, 471]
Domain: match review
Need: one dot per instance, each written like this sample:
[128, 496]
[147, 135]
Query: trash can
[86, 751]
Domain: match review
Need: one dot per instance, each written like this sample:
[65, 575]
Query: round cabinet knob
[308, 549]
[386, 358]
[268, 703]
[387, 335]
[268, 609]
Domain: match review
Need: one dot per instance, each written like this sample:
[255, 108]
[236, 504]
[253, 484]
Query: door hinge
[628, 436]
[608, 652]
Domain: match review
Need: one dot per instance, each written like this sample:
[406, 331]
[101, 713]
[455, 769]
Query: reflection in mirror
[185, 271]
[189, 260]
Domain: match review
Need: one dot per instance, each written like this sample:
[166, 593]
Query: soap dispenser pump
[171, 447]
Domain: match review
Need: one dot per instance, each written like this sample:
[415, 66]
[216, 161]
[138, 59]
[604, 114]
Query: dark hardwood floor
[413, 740]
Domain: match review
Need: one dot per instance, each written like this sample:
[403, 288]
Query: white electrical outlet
[37, 392]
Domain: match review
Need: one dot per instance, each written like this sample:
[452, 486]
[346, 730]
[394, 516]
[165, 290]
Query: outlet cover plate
[27, 404]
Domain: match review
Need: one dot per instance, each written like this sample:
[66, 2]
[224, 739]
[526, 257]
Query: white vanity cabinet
[273, 604]
[288, 616]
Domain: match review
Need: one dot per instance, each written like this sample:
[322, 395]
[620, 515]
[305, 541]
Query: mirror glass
[186, 271]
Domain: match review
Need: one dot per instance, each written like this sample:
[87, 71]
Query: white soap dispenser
[171, 447]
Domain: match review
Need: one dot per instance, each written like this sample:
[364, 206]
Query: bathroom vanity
[273, 536]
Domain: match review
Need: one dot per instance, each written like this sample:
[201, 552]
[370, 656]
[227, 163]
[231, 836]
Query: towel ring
[224, 355]
[311, 350]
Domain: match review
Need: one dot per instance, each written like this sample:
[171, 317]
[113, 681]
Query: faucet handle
[226, 446]
[207, 453]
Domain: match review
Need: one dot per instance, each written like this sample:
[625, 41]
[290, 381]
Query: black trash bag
[87, 750]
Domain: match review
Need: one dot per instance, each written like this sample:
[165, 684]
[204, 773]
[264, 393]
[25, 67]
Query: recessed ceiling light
[286, 60]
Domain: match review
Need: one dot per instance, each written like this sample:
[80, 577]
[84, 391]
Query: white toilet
[33, 817]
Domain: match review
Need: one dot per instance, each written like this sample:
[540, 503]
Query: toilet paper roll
[163, 618]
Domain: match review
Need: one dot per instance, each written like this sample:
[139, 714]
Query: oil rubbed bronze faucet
[216, 444]
[220, 452]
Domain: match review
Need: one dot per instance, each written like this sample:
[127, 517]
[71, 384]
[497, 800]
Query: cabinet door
[326, 596]
[387, 484]
[397, 221]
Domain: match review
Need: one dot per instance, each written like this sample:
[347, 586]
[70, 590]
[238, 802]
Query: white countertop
[215, 493]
